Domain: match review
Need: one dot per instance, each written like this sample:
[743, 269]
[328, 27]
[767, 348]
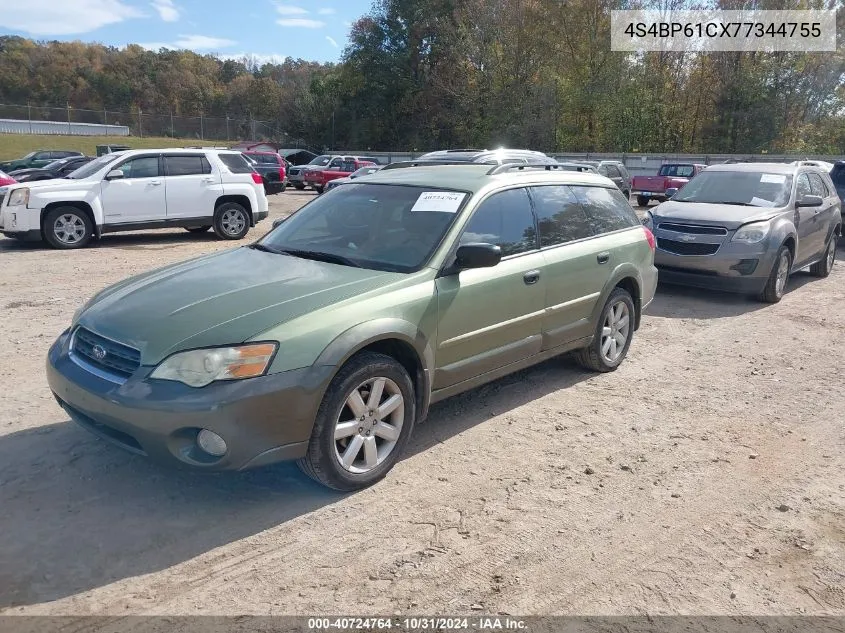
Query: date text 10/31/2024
[417, 624]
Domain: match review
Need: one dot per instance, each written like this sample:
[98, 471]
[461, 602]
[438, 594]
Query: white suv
[139, 189]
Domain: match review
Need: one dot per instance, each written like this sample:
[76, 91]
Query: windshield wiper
[263, 247]
[321, 257]
[734, 203]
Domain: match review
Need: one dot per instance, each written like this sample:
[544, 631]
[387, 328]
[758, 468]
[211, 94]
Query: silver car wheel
[783, 273]
[233, 221]
[615, 332]
[369, 424]
[831, 253]
[69, 228]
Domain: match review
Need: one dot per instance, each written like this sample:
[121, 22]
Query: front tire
[776, 284]
[231, 221]
[613, 335]
[298, 186]
[642, 201]
[363, 424]
[823, 267]
[319, 189]
[67, 228]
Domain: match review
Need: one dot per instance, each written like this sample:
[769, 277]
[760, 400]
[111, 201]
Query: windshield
[93, 167]
[55, 164]
[746, 188]
[321, 160]
[364, 171]
[682, 171]
[384, 227]
[30, 155]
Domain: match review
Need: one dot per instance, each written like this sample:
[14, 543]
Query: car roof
[469, 155]
[474, 177]
[772, 168]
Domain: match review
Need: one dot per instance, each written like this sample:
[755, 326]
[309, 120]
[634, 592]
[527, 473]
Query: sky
[270, 30]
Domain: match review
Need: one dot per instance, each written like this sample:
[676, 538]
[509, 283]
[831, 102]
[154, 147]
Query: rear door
[192, 186]
[492, 317]
[827, 214]
[806, 223]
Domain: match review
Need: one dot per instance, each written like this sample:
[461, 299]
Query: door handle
[603, 258]
[155, 183]
[209, 181]
[531, 277]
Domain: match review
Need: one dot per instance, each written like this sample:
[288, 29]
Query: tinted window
[612, 172]
[336, 163]
[348, 166]
[235, 163]
[145, 167]
[560, 216]
[622, 170]
[681, 171]
[504, 219]
[41, 156]
[265, 159]
[818, 186]
[803, 187]
[606, 209]
[186, 165]
[94, 166]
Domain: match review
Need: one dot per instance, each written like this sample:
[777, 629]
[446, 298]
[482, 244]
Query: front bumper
[734, 268]
[263, 420]
[20, 221]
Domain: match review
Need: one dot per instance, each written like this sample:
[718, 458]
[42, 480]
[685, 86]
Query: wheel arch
[77, 204]
[627, 277]
[240, 199]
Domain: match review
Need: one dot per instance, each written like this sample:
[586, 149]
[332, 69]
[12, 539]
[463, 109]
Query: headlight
[200, 367]
[648, 220]
[19, 197]
[752, 233]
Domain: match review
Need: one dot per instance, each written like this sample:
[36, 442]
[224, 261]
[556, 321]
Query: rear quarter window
[235, 163]
[606, 209]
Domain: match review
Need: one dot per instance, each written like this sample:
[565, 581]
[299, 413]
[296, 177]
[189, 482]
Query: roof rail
[424, 163]
[500, 169]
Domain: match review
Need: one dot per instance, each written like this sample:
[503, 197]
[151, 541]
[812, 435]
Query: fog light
[211, 443]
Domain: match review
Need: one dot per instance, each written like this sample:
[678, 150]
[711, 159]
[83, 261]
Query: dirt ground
[705, 476]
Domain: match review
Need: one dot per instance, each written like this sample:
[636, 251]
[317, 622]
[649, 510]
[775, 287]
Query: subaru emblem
[98, 352]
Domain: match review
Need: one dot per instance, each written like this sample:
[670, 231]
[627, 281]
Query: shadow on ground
[78, 513]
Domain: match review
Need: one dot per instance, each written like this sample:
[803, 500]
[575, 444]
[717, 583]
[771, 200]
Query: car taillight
[650, 237]
[281, 173]
[256, 178]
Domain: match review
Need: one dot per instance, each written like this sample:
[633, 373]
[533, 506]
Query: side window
[606, 209]
[560, 216]
[803, 187]
[603, 170]
[348, 166]
[612, 172]
[145, 167]
[42, 156]
[504, 219]
[818, 186]
[624, 171]
[336, 163]
[186, 165]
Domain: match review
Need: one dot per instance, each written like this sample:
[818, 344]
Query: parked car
[327, 340]
[6, 179]
[39, 158]
[57, 169]
[317, 179]
[822, 164]
[484, 156]
[363, 171]
[272, 168]
[746, 227]
[616, 171]
[102, 150]
[837, 175]
[582, 167]
[297, 156]
[670, 175]
[139, 189]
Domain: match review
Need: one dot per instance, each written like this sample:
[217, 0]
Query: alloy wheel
[615, 331]
[69, 228]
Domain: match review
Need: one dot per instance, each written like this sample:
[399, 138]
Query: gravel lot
[705, 476]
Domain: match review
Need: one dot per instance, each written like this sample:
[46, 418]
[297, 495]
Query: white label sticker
[443, 201]
[777, 179]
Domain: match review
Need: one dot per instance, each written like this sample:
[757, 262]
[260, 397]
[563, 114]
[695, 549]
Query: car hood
[730, 216]
[59, 184]
[27, 171]
[220, 299]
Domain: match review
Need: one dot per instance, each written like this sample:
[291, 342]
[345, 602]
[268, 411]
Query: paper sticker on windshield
[442, 201]
[777, 179]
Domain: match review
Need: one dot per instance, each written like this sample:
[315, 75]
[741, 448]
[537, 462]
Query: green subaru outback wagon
[328, 339]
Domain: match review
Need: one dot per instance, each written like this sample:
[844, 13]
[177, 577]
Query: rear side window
[606, 209]
[560, 217]
[612, 172]
[187, 165]
[818, 186]
[504, 219]
[235, 163]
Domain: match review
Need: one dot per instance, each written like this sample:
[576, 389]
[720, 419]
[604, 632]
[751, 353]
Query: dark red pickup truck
[671, 175]
[317, 178]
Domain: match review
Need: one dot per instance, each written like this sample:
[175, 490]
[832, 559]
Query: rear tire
[778, 278]
[613, 334]
[197, 229]
[231, 221]
[68, 228]
[298, 186]
[823, 267]
[347, 452]
[318, 189]
[642, 201]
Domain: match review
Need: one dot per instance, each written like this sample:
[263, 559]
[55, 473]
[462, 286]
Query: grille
[696, 229]
[294, 171]
[119, 360]
[686, 248]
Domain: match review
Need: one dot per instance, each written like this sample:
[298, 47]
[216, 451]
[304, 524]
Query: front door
[137, 197]
[491, 317]
[192, 188]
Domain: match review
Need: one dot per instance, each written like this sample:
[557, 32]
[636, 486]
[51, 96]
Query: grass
[17, 145]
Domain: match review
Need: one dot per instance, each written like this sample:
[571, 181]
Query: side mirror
[115, 174]
[810, 201]
[478, 255]
[671, 191]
